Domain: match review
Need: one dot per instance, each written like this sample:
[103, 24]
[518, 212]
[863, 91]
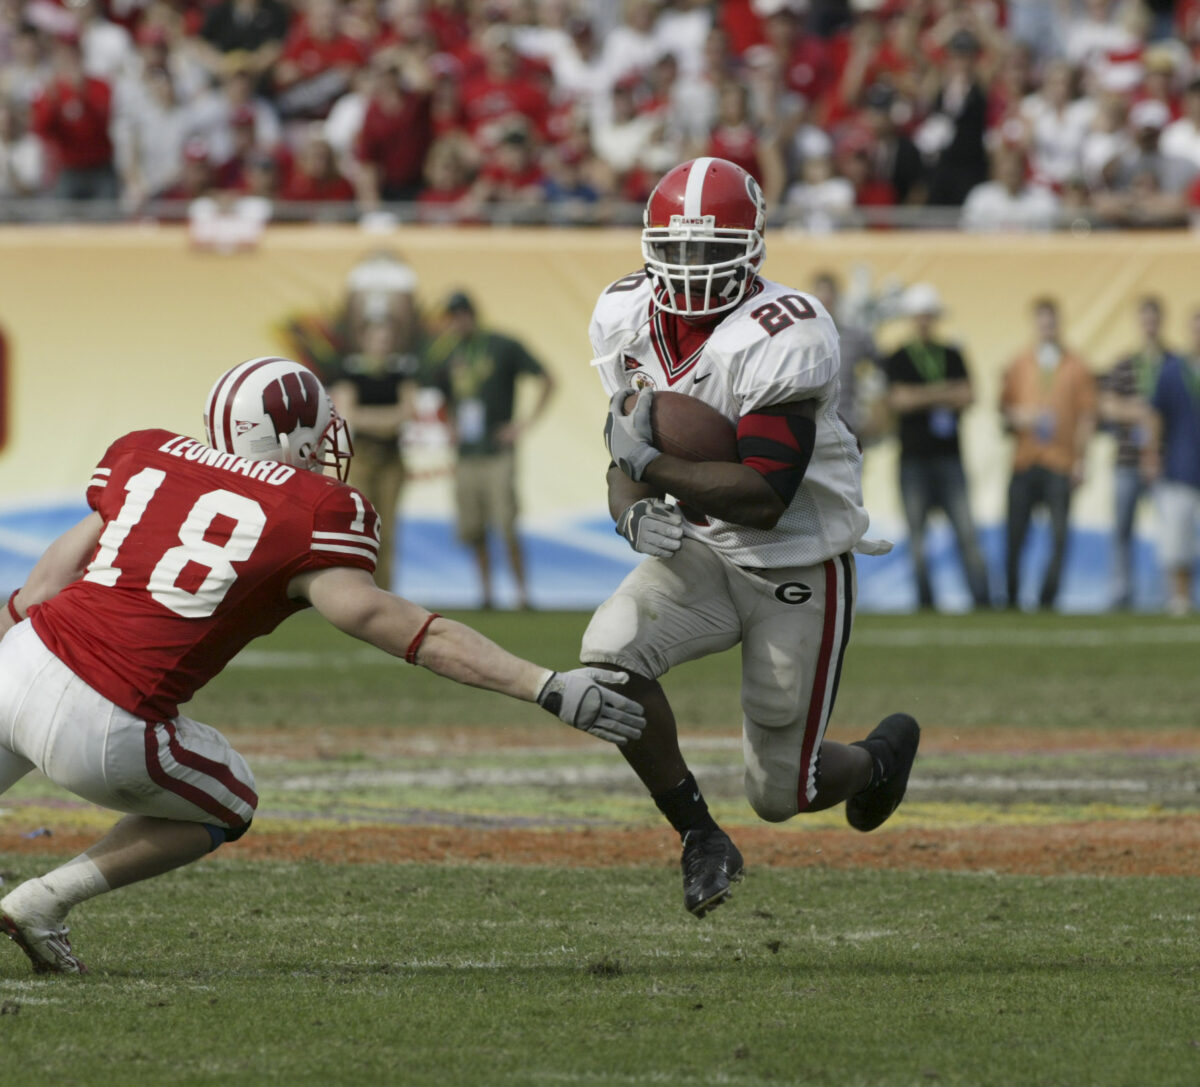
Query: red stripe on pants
[191, 793]
[216, 770]
[816, 700]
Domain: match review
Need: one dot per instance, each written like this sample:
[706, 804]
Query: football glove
[578, 698]
[628, 437]
[653, 527]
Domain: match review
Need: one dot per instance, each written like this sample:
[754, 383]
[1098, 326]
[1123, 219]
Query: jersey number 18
[193, 548]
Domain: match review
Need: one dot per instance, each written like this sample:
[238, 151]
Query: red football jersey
[194, 562]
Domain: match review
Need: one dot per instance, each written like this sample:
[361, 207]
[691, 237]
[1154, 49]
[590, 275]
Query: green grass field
[487, 973]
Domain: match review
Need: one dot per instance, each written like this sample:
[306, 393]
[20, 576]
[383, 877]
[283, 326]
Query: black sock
[876, 765]
[684, 807]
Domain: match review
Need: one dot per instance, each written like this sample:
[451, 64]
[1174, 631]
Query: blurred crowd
[1025, 114]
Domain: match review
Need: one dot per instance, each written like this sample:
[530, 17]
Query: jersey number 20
[215, 558]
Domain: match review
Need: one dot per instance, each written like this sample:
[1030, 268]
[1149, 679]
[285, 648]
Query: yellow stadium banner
[109, 329]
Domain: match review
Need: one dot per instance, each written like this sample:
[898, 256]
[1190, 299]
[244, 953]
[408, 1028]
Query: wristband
[410, 654]
[12, 608]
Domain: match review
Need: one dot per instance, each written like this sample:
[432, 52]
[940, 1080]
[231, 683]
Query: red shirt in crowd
[486, 100]
[302, 186]
[395, 137]
[73, 120]
[312, 56]
[738, 144]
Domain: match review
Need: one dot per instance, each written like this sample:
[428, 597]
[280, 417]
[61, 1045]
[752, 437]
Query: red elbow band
[12, 606]
[410, 654]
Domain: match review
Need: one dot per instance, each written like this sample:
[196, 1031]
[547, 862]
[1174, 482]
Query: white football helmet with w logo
[274, 409]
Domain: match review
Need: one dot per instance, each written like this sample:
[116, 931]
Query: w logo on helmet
[291, 401]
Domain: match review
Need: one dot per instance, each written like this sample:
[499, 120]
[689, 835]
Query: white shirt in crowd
[991, 207]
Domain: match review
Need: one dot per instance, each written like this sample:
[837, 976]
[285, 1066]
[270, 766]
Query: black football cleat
[711, 862]
[893, 745]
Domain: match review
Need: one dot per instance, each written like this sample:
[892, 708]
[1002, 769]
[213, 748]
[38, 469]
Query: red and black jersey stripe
[777, 446]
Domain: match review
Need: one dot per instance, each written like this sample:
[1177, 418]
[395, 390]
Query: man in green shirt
[477, 371]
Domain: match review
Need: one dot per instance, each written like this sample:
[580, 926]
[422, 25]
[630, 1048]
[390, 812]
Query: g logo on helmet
[793, 592]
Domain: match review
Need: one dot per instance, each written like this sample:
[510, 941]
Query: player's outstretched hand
[653, 527]
[628, 437]
[578, 698]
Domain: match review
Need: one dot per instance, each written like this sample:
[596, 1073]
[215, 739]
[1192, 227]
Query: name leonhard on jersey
[777, 346]
[194, 561]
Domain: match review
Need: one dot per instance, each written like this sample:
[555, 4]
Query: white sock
[48, 898]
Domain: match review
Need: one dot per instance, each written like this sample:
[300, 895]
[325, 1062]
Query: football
[688, 428]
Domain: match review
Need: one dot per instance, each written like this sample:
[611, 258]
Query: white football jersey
[778, 345]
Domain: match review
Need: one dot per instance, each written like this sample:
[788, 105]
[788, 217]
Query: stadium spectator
[820, 200]
[71, 115]
[395, 136]
[233, 167]
[313, 175]
[735, 139]
[502, 92]
[1143, 186]
[894, 159]
[232, 115]
[928, 390]
[251, 31]
[512, 174]
[1171, 458]
[1094, 34]
[860, 383]
[1124, 404]
[1010, 201]
[25, 70]
[682, 30]
[149, 134]
[196, 175]
[373, 382]
[316, 63]
[1058, 124]
[446, 196]
[627, 140]
[1048, 402]
[632, 46]
[952, 136]
[1181, 138]
[107, 47]
[478, 372]
[22, 160]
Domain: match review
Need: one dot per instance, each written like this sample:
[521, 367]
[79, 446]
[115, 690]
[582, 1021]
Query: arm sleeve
[345, 532]
[778, 445]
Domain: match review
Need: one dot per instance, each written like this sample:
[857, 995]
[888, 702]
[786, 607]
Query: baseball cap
[922, 299]
[460, 302]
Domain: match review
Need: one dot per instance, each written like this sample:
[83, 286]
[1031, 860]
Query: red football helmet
[703, 237]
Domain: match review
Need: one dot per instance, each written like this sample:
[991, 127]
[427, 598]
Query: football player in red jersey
[758, 552]
[190, 551]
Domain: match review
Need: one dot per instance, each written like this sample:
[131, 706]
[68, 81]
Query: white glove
[628, 437]
[578, 698]
[653, 527]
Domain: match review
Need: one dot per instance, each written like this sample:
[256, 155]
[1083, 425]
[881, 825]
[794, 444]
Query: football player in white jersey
[758, 552]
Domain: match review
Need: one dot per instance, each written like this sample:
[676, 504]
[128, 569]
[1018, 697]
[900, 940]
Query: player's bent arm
[623, 492]
[351, 601]
[774, 444]
[63, 562]
[731, 492]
